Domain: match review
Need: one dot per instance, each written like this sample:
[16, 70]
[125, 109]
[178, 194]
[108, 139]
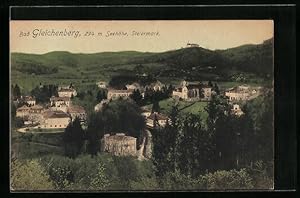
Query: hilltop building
[119, 144]
[192, 45]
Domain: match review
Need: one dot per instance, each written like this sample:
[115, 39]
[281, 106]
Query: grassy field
[33, 149]
[183, 106]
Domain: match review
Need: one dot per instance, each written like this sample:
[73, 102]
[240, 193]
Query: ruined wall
[119, 145]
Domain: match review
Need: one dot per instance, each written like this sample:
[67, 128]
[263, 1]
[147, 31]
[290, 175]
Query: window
[54, 125]
[50, 125]
[59, 125]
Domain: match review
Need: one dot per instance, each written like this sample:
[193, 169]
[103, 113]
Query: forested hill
[185, 62]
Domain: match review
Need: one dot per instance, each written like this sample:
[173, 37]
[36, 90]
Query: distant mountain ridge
[185, 62]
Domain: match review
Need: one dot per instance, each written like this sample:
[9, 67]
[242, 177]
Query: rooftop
[37, 107]
[55, 114]
[120, 90]
[76, 109]
[158, 116]
[53, 98]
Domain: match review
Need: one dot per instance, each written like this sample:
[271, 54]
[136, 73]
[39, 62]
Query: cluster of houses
[58, 113]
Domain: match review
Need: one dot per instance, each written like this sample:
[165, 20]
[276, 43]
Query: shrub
[232, 179]
[29, 175]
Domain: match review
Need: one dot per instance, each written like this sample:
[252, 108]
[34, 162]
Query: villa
[241, 93]
[55, 119]
[192, 91]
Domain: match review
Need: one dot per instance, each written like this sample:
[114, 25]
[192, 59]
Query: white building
[236, 110]
[67, 92]
[241, 93]
[192, 91]
[102, 84]
[115, 94]
[28, 100]
[59, 101]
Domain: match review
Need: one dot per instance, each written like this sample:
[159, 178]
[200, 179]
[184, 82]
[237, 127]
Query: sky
[154, 36]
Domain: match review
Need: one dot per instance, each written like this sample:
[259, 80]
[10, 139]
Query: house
[133, 86]
[192, 91]
[102, 84]
[157, 86]
[55, 119]
[236, 110]
[28, 100]
[119, 144]
[61, 107]
[66, 92]
[77, 111]
[36, 109]
[115, 94]
[242, 93]
[156, 117]
[59, 101]
[33, 113]
[22, 111]
[207, 92]
[146, 113]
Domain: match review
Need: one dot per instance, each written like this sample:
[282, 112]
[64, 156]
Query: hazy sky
[30, 36]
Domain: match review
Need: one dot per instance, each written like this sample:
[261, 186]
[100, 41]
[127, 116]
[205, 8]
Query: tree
[43, 93]
[101, 95]
[100, 181]
[195, 147]
[165, 143]
[136, 96]
[218, 110]
[119, 116]
[29, 175]
[73, 138]
[155, 106]
[216, 89]
[95, 132]
[210, 84]
[16, 92]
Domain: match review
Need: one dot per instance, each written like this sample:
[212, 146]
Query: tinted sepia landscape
[191, 118]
